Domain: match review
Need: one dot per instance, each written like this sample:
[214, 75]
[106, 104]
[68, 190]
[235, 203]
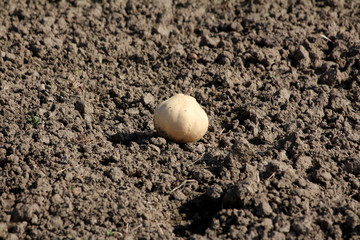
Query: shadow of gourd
[126, 138]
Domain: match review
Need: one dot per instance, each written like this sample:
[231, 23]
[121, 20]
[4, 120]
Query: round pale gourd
[181, 119]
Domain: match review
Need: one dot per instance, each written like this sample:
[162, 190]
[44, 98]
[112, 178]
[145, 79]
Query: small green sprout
[108, 233]
[34, 120]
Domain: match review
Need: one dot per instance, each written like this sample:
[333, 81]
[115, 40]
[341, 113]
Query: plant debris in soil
[279, 80]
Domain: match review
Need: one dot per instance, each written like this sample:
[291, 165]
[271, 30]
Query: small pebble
[192, 56]
[41, 87]
[148, 99]
[76, 191]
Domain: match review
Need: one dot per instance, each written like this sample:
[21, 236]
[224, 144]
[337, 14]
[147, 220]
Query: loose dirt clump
[79, 155]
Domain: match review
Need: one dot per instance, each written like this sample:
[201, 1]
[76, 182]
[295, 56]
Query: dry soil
[79, 156]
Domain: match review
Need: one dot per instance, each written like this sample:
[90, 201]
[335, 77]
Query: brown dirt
[280, 81]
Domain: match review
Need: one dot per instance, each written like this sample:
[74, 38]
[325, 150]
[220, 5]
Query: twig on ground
[196, 161]
[158, 225]
[135, 228]
[222, 130]
[325, 37]
[272, 175]
[65, 169]
[182, 185]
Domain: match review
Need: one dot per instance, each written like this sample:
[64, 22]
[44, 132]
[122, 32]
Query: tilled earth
[79, 156]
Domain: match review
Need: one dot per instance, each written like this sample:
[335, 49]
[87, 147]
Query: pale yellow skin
[181, 119]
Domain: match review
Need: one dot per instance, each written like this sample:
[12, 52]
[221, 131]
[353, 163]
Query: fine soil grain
[79, 155]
